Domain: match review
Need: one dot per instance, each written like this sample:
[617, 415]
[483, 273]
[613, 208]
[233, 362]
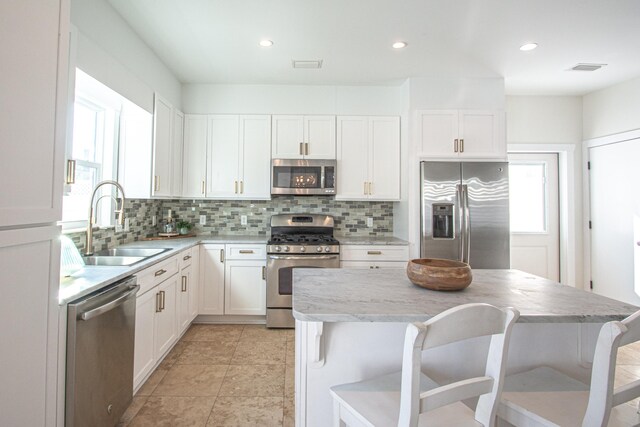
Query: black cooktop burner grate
[318, 239]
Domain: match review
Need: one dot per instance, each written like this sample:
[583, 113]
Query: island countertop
[387, 295]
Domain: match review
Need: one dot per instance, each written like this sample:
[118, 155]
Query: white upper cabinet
[194, 160]
[303, 137]
[167, 144]
[239, 163]
[462, 134]
[368, 158]
[34, 38]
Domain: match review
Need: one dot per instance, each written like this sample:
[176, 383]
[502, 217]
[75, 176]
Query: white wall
[291, 99]
[554, 124]
[111, 52]
[612, 110]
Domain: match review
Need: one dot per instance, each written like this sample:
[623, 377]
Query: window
[94, 148]
[528, 197]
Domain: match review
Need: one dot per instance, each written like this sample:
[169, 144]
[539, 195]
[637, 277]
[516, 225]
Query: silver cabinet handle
[235, 187]
[306, 148]
[161, 300]
[365, 188]
[241, 187]
[160, 272]
[71, 172]
[455, 145]
[203, 187]
[156, 182]
[221, 255]
[370, 188]
[184, 283]
[158, 304]
[302, 148]
[462, 145]
[186, 257]
[264, 273]
[246, 251]
[374, 252]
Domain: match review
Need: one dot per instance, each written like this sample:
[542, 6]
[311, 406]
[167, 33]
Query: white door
[438, 132]
[245, 287]
[194, 163]
[184, 298]
[320, 137]
[615, 208]
[255, 159]
[223, 155]
[177, 152]
[384, 158]
[162, 137]
[166, 320]
[533, 195]
[211, 279]
[287, 137]
[143, 355]
[480, 134]
[353, 149]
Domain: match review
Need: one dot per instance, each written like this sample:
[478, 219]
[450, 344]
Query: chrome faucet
[89, 242]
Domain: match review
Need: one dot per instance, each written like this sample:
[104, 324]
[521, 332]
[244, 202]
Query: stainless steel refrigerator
[465, 212]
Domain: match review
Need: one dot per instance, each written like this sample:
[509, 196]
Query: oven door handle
[305, 257]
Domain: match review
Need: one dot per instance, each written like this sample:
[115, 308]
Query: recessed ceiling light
[399, 45]
[265, 43]
[528, 46]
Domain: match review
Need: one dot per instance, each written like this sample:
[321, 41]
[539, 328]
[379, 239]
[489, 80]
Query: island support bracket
[315, 344]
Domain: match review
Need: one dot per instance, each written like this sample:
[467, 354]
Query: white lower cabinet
[232, 279]
[188, 290]
[373, 264]
[156, 317]
[374, 256]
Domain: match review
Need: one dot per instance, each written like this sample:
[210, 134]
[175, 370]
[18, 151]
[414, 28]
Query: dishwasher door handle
[110, 305]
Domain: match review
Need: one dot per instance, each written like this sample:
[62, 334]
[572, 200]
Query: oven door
[280, 274]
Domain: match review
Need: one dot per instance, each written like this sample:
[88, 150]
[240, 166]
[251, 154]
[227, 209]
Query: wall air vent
[587, 67]
[317, 63]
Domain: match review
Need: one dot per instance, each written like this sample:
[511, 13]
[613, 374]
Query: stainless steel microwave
[303, 177]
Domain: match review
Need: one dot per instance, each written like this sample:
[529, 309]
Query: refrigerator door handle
[461, 216]
[466, 250]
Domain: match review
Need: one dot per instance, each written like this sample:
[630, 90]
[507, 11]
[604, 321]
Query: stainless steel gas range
[297, 241]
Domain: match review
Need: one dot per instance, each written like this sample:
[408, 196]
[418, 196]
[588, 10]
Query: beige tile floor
[220, 375]
[237, 375]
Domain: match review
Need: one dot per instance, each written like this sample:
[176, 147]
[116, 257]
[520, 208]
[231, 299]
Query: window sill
[84, 229]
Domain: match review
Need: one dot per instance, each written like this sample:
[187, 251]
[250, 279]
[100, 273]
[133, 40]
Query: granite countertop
[387, 295]
[371, 240]
[93, 278]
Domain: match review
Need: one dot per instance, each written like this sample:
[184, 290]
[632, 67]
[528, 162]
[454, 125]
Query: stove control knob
[319, 249]
[327, 249]
[278, 249]
[286, 248]
[303, 249]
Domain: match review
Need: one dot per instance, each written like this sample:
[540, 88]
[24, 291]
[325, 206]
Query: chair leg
[337, 421]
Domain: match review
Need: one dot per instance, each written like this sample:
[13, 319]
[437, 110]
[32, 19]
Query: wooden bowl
[439, 274]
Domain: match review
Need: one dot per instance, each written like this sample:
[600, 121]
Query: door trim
[570, 271]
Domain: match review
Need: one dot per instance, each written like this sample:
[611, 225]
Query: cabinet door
[438, 133]
[245, 287]
[223, 157]
[320, 137]
[144, 356]
[352, 173]
[211, 279]
[194, 283]
[34, 39]
[165, 320]
[255, 164]
[384, 158]
[287, 137]
[482, 133]
[29, 261]
[162, 136]
[184, 298]
[194, 163]
[177, 152]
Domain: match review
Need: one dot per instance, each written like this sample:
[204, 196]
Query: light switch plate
[370, 222]
[203, 220]
[154, 220]
[243, 220]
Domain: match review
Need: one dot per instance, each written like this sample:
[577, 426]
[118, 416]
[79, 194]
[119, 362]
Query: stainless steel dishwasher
[100, 339]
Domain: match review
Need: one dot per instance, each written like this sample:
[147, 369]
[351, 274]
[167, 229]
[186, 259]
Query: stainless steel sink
[131, 252]
[112, 260]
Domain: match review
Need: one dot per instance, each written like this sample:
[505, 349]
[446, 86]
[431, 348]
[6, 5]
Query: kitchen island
[350, 326]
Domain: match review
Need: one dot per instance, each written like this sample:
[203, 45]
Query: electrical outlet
[193, 208]
[243, 220]
[127, 224]
[203, 220]
[118, 228]
[370, 222]
[154, 220]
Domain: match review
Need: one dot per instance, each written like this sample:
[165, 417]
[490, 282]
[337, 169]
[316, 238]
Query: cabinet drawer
[186, 257]
[246, 251]
[150, 277]
[374, 253]
[373, 264]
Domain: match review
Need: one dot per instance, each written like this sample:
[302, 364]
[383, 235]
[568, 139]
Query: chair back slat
[626, 393]
[463, 322]
[455, 392]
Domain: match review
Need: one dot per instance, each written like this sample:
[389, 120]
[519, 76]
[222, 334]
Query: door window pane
[528, 197]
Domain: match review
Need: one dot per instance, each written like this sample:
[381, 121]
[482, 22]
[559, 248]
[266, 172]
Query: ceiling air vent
[307, 64]
[587, 67]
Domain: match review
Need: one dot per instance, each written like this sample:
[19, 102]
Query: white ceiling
[216, 41]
